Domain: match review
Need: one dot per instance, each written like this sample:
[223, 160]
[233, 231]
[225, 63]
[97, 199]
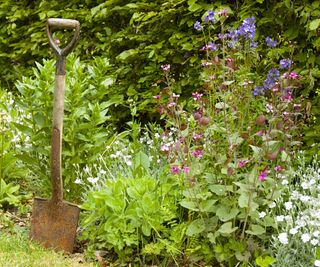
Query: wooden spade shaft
[54, 222]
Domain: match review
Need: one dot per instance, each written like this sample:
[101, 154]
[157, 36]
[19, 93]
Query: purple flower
[253, 44]
[259, 90]
[273, 76]
[285, 63]
[263, 175]
[209, 47]
[198, 153]
[174, 169]
[210, 16]
[247, 29]
[270, 42]
[198, 26]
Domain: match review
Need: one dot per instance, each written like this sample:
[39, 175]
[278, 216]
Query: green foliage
[86, 123]
[134, 215]
[138, 36]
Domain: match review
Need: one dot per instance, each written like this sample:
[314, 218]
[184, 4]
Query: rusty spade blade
[54, 221]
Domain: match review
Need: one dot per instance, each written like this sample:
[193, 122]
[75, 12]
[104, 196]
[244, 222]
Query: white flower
[280, 218]
[304, 198]
[283, 238]
[314, 242]
[316, 233]
[317, 263]
[272, 205]
[305, 238]
[304, 185]
[288, 205]
[93, 180]
[77, 181]
[285, 182]
[262, 214]
[293, 231]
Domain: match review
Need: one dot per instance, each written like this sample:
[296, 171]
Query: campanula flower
[198, 26]
[285, 63]
[270, 42]
[210, 16]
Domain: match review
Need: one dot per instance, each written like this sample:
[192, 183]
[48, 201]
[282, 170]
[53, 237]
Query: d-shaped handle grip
[57, 23]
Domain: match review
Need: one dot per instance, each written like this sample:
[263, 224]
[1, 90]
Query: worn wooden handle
[57, 23]
[56, 141]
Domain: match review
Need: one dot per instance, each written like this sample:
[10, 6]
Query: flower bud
[261, 120]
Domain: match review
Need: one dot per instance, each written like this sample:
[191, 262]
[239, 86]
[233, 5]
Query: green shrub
[87, 125]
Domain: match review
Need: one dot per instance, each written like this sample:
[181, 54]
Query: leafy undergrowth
[17, 250]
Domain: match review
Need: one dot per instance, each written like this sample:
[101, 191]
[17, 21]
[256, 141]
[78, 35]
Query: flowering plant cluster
[233, 137]
[298, 212]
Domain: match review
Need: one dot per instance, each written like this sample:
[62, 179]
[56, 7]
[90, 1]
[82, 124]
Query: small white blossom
[262, 214]
[293, 231]
[305, 238]
[316, 233]
[288, 205]
[285, 182]
[77, 181]
[314, 242]
[283, 238]
[317, 263]
[272, 205]
[304, 185]
[280, 218]
[93, 180]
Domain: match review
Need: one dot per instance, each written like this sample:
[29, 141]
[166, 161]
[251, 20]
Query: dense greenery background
[138, 36]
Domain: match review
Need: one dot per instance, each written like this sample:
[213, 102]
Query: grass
[16, 250]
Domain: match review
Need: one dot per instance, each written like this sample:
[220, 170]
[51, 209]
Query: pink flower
[174, 169]
[198, 153]
[175, 96]
[243, 163]
[165, 67]
[260, 133]
[296, 106]
[171, 104]
[293, 75]
[185, 169]
[196, 96]
[196, 136]
[223, 12]
[278, 168]
[156, 97]
[206, 64]
[263, 175]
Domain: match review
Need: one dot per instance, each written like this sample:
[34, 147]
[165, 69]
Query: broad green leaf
[219, 189]
[196, 227]
[227, 228]
[314, 24]
[256, 230]
[243, 200]
[265, 261]
[127, 53]
[226, 213]
[190, 205]
[142, 159]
